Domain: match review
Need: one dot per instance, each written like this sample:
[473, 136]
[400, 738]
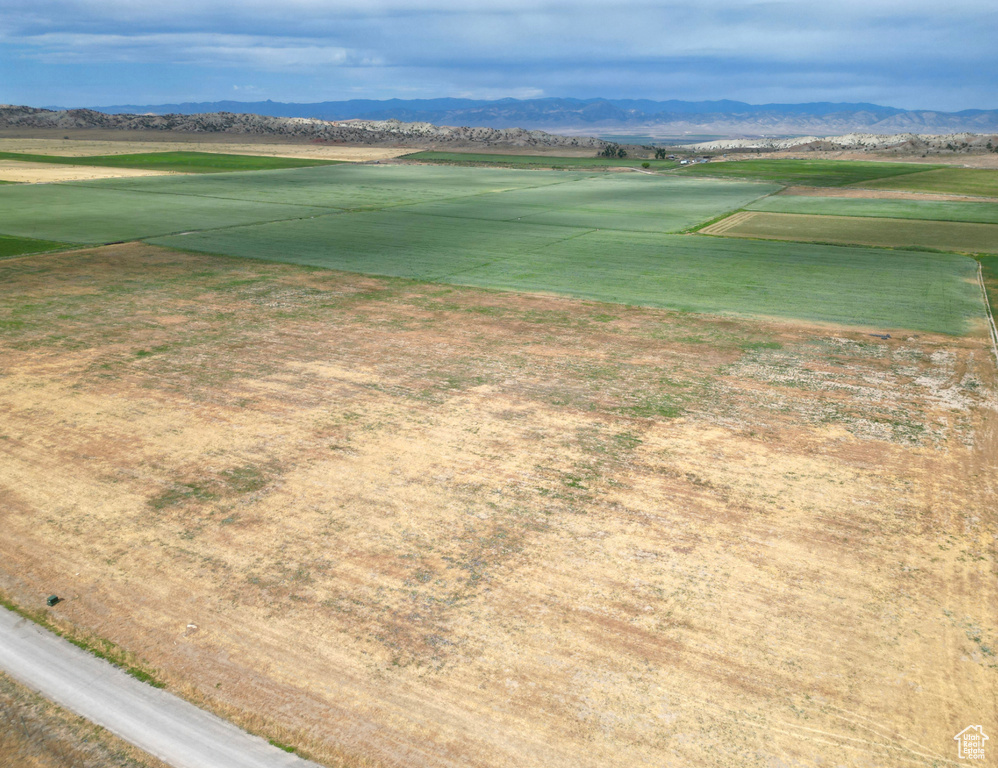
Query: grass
[930, 210]
[534, 161]
[178, 162]
[815, 173]
[855, 286]
[860, 230]
[955, 181]
[282, 746]
[21, 246]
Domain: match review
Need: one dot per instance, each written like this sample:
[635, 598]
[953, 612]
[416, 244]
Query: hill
[655, 118]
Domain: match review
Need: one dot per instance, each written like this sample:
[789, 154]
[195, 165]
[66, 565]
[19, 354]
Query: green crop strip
[817, 173]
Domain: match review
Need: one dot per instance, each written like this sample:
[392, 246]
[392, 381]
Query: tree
[611, 150]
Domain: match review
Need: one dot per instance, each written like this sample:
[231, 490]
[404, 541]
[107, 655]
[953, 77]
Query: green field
[813, 173]
[954, 181]
[598, 236]
[77, 213]
[344, 187]
[886, 233]
[632, 202]
[111, 210]
[854, 286]
[989, 271]
[931, 210]
[178, 162]
[534, 161]
[21, 246]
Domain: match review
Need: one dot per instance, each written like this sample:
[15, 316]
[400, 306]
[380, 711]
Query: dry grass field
[403, 524]
[860, 230]
[40, 173]
[35, 173]
[234, 145]
[872, 194]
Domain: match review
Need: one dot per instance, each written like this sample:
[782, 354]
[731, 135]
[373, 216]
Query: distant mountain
[635, 116]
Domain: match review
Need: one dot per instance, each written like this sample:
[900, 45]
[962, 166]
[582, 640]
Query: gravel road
[176, 732]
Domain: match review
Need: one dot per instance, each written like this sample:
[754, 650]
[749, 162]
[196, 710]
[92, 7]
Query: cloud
[200, 49]
[714, 48]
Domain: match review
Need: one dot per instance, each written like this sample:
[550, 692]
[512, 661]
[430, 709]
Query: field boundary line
[728, 223]
[992, 329]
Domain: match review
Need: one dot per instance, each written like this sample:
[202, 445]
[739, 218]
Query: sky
[912, 54]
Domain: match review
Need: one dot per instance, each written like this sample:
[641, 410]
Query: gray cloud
[882, 50]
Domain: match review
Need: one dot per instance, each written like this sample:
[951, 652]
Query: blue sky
[910, 54]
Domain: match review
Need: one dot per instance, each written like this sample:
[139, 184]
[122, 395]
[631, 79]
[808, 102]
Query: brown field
[859, 230]
[35, 733]
[418, 525]
[241, 145]
[39, 173]
[872, 194]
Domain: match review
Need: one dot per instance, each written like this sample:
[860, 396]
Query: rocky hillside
[897, 143]
[391, 132]
[630, 116]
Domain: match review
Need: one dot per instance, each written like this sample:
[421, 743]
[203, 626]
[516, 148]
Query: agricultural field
[17, 171]
[590, 236]
[173, 162]
[503, 467]
[103, 215]
[860, 230]
[433, 525]
[816, 173]
[20, 246]
[929, 210]
[982, 182]
[871, 288]
[989, 273]
[114, 143]
[535, 161]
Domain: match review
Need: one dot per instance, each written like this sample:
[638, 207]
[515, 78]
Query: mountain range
[606, 116]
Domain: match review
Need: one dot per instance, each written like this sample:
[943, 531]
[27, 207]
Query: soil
[33, 173]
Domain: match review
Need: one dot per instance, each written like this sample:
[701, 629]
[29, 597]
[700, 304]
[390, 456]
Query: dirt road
[158, 722]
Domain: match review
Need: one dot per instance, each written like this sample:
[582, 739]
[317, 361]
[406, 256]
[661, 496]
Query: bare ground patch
[963, 237]
[35, 173]
[420, 525]
[872, 194]
[89, 147]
